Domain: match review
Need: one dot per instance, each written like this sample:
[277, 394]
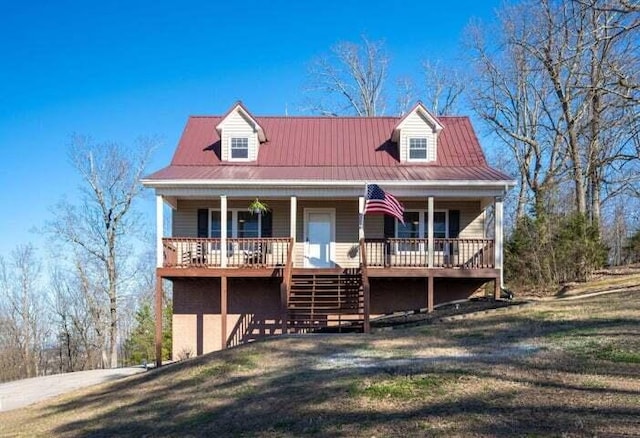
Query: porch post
[223, 310]
[430, 245]
[223, 231]
[360, 218]
[159, 231]
[499, 237]
[292, 221]
[158, 311]
[430, 293]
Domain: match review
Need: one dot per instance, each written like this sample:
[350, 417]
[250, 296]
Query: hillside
[568, 367]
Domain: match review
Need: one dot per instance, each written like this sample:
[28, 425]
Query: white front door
[319, 236]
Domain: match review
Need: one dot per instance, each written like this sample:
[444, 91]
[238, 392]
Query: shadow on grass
[253, 398]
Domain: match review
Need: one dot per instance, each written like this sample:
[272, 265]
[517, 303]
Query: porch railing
[448, 253]
[190, 252]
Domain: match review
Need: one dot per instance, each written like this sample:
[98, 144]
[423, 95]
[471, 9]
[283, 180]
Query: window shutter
[203, 222]
[389, 226]
[266, 226]
[454, 224]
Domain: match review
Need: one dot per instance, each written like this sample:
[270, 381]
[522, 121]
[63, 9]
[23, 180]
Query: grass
[560, 368]
[401, 387]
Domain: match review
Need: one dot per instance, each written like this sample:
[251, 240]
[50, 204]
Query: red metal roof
[329, 148]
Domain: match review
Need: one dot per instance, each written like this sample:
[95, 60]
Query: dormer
[417, 136]
[240, 135]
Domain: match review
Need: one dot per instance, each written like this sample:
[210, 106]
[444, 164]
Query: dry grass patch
[560, 368]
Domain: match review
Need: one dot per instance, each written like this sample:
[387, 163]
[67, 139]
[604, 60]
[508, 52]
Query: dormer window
[416, 135]
[240, 135]
[418, 149]
[239, 148]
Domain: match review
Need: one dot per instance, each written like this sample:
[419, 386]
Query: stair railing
[365, 285]
[285, 286]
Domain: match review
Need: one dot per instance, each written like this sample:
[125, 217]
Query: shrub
[543, 252]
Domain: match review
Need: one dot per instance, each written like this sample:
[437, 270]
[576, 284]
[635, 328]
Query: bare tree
[564, 94]
[25, 319]
[350, 80]
[97, 228]
[444, 87]
[406, 95]
[511, 95]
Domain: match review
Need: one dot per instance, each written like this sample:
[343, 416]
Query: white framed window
[418, 149]
[239, 148]
[416, 226]
[240, 223]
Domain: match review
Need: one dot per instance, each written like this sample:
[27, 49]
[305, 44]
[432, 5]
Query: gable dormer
[417, 136]
[240, 135]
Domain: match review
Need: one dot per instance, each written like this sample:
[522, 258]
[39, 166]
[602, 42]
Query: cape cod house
[308, 261]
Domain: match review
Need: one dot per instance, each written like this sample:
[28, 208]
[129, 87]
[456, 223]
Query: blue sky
[118, 70]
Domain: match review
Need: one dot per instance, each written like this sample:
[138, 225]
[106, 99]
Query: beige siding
[416, 125]
[346, 214]
[184, 222]
[235, 125]
[471, 215]
[185, 218]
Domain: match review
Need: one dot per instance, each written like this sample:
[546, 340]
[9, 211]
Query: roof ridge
[217, 116]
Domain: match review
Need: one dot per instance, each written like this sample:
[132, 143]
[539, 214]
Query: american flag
[377, 201]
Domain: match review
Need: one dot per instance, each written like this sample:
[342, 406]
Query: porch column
[223, 310]
[223, 231]
[292, 221]
[430, 245]
[498, 237]
[361, 218]
[430, 293]
[158, 311]
[159, 231]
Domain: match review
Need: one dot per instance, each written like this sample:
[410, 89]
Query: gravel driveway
[20, 393]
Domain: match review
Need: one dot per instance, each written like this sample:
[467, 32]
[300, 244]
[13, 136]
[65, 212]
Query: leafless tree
[511, 95]
[350, 80]
[24, 316]
[444, 87]
[96, 229]
[566, 90]
[406, 95]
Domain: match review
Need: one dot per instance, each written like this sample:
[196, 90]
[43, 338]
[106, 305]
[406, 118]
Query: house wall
[254, 307]
[184, 223]
[416, 125]
[253, 312]
[403, 294]
[235, 125]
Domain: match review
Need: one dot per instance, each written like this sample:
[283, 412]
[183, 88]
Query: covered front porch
[445, 232]
[331, 267]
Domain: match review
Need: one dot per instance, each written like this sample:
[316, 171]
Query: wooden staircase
[325, 299]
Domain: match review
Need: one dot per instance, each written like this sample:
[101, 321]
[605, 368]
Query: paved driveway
[20, 393]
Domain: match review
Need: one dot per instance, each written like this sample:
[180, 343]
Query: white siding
[235, 125]
[416, 125]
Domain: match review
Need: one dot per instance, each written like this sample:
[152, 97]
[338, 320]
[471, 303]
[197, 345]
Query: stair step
[325, 298]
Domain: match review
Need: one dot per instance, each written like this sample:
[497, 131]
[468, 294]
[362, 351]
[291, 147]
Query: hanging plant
[258, 207]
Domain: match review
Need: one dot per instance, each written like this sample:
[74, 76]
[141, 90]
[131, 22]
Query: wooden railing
[447, 253]
[190, 252]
